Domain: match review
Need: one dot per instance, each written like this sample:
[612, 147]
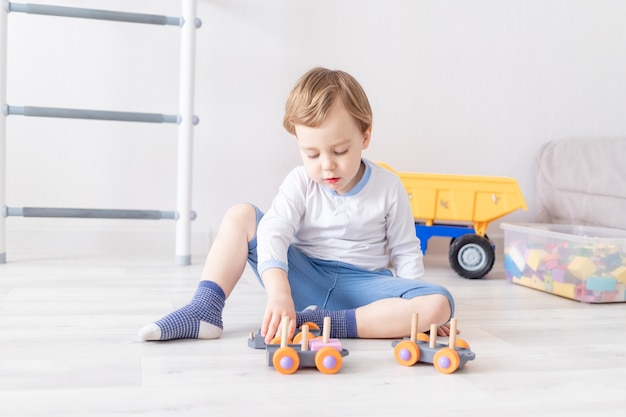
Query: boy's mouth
[331, 180]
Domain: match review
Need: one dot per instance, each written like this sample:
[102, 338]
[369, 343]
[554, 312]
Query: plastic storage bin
[583, 263]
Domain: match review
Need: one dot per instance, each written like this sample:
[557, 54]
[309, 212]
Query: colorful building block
[558, 274]
[517, 257]
[620, 274]
[547, 280]
[590, 297]
[581, 267]
[595, 283]
[580, 291]
[525, 281]
[537, 283]
[612, 261]
[510, 266]
[535, 257]
[551, 261]
[563, 289]
[609, 296]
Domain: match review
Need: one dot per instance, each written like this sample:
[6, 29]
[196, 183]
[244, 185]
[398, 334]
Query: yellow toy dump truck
[460, 207]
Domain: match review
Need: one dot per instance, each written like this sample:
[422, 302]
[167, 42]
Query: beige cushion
[582, 181]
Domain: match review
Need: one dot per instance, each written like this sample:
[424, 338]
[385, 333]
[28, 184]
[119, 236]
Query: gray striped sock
[206, 305]
[342, 322]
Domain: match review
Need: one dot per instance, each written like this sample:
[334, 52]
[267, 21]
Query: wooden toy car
[420, 347]
[460, 207]
[319, 352]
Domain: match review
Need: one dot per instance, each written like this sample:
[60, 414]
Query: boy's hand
[444, 330]
[278, 307]
[279, 304]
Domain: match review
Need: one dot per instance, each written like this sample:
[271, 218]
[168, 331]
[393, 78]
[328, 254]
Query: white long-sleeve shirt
[370, 227]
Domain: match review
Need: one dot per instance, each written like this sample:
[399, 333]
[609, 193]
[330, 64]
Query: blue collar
[359, 185]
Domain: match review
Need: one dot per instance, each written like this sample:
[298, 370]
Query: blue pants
[335, 285]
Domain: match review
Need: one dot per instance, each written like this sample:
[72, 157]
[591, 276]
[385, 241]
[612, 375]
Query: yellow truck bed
[460, 198]
[460, 207]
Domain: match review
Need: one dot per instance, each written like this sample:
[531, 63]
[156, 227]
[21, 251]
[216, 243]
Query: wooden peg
[284, 324]
[452, 342]
[414, 318]
[326, 330]
[433, 336]
[305, 338]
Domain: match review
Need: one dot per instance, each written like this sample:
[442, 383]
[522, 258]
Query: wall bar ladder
[48, 10]
[185, 121]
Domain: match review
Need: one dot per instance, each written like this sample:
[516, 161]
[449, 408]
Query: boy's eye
[313, 156]
[343, 152]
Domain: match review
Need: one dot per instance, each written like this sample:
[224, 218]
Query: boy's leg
[377, 304]
[391, 317]
[224, 265]
[311, 281]
[383, 319]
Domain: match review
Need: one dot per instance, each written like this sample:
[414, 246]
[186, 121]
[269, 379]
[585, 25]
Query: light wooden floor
[68, 347]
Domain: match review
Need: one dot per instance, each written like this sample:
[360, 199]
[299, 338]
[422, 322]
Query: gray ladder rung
[91, 114]
[91, 213]
[48, 10]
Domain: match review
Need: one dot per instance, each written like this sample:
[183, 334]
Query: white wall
[465, 87]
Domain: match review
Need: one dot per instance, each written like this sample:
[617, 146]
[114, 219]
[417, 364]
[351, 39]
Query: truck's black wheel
[471, 256]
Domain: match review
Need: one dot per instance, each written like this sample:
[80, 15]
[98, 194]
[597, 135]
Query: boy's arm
[404, 246]
[274, 235]
[279, 303]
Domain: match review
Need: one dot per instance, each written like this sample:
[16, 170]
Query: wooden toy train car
[306, 350]
[446, 358]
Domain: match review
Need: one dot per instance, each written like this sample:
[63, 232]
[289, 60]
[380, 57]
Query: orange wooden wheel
[328, 360]
[277, 341]
[446, 360]
[298, 338]
[422, 337]
[286, 360]
[407, 353]
[312, 326]
[461, 343]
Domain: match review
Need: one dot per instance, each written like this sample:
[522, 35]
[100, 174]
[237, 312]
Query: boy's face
[331, 152]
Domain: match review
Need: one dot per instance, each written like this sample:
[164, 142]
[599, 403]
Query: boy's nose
[327, 163]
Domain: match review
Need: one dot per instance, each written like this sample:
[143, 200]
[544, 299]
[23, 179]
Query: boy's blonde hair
[316, 91]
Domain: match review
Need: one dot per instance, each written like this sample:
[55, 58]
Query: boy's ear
[366, 137]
